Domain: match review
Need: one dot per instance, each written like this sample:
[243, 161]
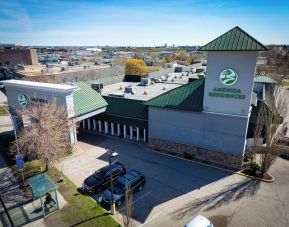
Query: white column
[144, 135]
[137, 134]
[88, 124]
[130, 132]
[118, 129]
[83, 124]
[105, 127]
[124, 131]
[112, 128]
[99, 126]
[94, 124]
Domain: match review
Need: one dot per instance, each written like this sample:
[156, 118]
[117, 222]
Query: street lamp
[16, 139]
[111, 154]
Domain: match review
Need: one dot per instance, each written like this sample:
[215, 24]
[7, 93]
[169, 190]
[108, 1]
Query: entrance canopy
[41, 184]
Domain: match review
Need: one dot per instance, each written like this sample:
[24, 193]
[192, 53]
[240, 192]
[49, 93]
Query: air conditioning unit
[97, 86]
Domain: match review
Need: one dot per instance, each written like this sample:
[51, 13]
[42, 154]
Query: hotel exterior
[206, 120]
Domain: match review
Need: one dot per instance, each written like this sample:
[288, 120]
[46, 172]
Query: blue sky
[140, 23]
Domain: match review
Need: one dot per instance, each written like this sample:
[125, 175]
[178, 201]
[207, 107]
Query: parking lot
[175, 189]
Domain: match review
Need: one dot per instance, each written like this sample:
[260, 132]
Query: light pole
[111, 154]
[14, 128]
[15, 135]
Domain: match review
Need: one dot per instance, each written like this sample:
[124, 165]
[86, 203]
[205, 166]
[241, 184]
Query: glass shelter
[44, 193]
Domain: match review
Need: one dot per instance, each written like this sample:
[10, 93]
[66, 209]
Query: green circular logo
[22, 100]
[228, 77]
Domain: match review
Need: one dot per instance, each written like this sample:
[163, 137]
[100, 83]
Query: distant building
[10, 57]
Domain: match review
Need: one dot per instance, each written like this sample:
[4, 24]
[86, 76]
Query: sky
[139, 23]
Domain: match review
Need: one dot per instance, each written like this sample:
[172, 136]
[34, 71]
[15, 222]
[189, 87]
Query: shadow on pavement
[233, 192]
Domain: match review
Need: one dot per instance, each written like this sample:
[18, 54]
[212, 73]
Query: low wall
[219, 159]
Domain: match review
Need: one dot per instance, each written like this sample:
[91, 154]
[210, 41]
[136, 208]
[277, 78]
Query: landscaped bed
[80, 209]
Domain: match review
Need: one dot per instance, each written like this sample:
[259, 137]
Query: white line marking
[157, 214]
[137, 199]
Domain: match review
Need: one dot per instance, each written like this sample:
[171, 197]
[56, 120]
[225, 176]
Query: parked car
[199, 221]
[132, 181]
[100, 180]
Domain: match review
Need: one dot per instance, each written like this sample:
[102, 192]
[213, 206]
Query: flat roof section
[141, 92]
[40, 85]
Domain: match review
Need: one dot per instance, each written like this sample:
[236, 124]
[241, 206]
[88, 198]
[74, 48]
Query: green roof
[86, 99]
[129, 108]
[125, 111]
[187, 97]
[264, 79]
[234, 40]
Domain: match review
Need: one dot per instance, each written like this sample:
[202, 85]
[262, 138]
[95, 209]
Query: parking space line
[154, 216]
[137, 199]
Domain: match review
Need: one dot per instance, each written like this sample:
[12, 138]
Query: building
[12, 57]
[206, 120]
[79, 99]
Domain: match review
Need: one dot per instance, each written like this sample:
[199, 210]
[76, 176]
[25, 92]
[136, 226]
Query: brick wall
[219, 159]
[15, 56]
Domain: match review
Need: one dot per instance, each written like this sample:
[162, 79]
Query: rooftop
[87, 100]
[40, 85]
[264, 79]
[154, 90]
[187, 97]
[235, 39]
[40, 70]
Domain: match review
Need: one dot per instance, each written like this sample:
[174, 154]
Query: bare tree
[47, 136]
[270, 125]
[128, 212]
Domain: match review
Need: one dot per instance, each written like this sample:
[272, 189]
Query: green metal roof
[187, 97]
[41, 184]
[264, 79]
[129, 108]
[87, 100]
[234, 40]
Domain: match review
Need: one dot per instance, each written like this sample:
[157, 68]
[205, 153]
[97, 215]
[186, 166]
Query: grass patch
[285, 82]
[3, 112]
[80, 209]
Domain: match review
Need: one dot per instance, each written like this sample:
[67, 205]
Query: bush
[248, 156]
[254, 167]
[136, 67]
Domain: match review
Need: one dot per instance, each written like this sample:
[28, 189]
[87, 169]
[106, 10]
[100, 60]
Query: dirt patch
[219, 220]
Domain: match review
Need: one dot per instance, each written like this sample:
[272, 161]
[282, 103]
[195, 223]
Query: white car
[199, 221]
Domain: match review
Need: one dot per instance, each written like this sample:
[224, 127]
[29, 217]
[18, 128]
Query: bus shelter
[44, 189]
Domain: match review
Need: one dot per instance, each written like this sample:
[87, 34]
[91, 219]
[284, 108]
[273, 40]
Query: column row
[115, 129]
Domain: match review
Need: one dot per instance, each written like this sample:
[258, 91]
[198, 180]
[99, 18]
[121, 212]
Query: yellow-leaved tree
[136, 67]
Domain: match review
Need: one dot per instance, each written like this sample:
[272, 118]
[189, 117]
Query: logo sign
[22, 100]
[228, 77]
[20, 161]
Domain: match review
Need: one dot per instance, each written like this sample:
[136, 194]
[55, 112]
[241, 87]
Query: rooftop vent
[129, 89]
[97, 86]
[145, 81]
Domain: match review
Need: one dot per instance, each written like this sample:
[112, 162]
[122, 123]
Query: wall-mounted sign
[229, 93]
[228, 77]
[22, 100]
